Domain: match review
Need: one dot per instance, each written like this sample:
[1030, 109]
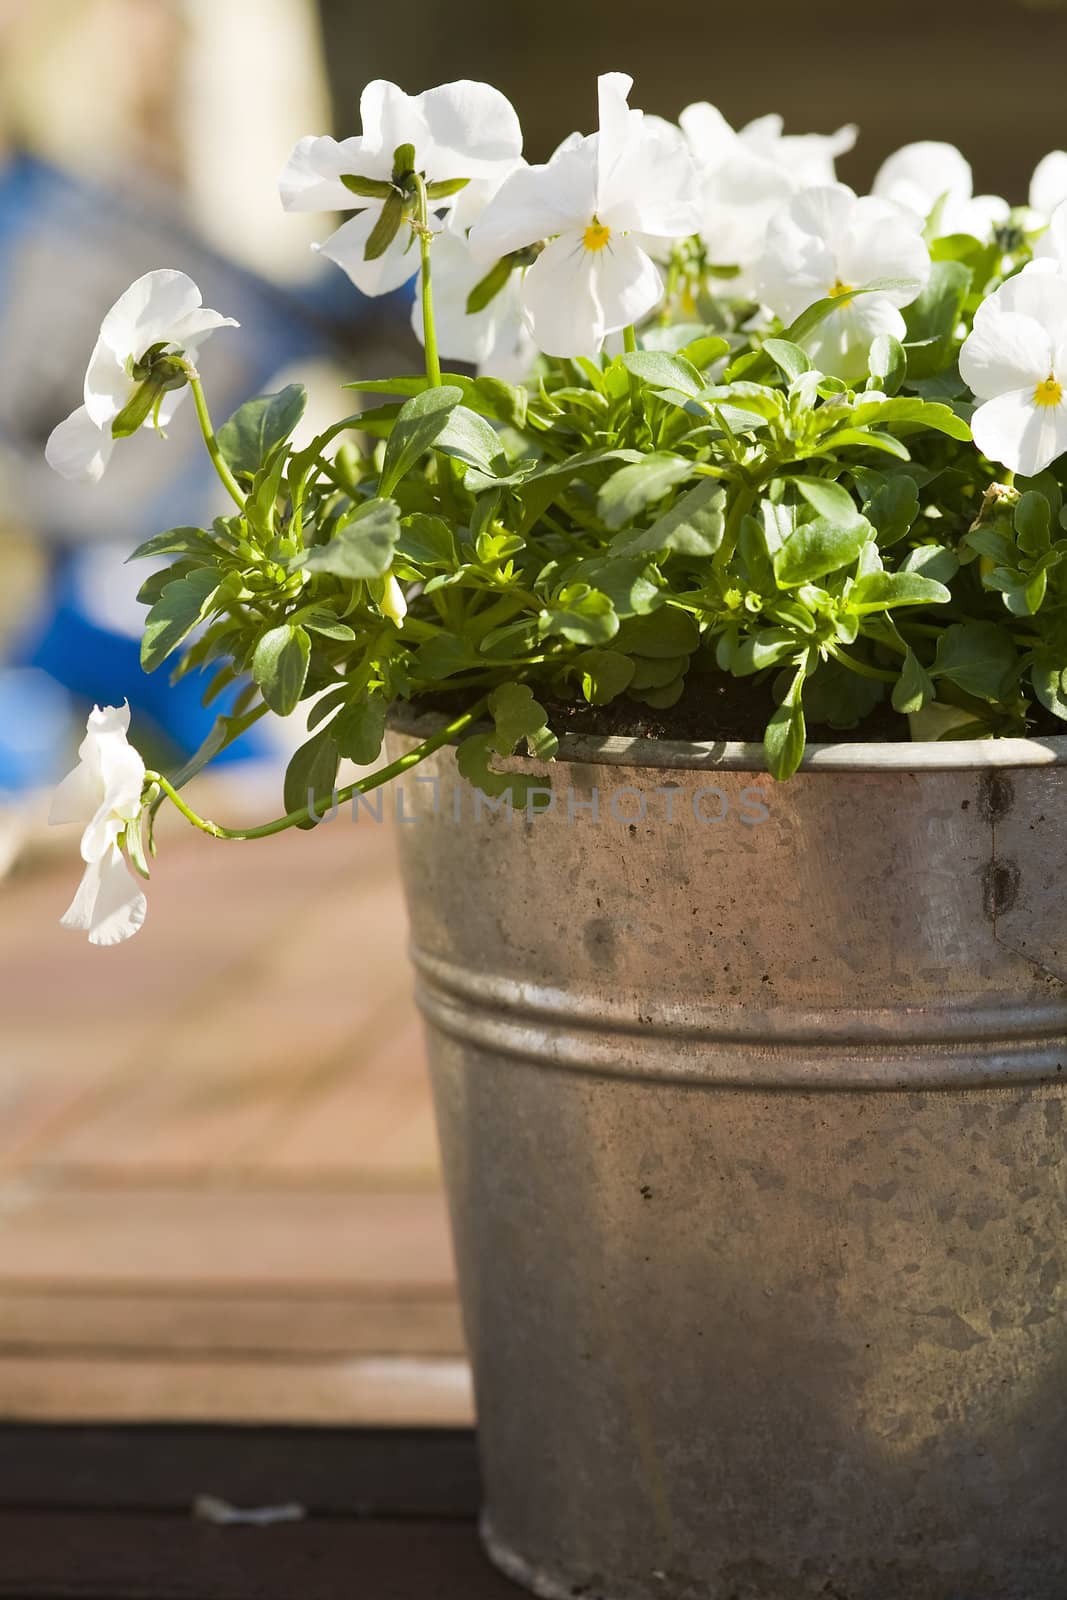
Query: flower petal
[560, 301]
[1051, 248]
[389, 271]
[840, 345]
[652, 189]
[1025, 437]
[311, 178]
[1005, 351]
[1036, 295]
[918, 175]
[76, 797]
[147, 311]
[108, 385]
[538, 202]
[627, 283]
[474, 129]
[109, 904]
[78, 449]
[881, 244]
[1048, 186]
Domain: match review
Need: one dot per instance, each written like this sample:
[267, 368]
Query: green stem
[229, 482]
[880, 674]
[629, 338]
[323, 802]
[429, 329]
[744, 500]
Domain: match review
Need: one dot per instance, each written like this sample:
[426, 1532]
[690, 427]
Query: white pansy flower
[808, 157]
[461, 130]
[1015, 362]
[494, 339]
[826, 244]
[930, 177]
[1050, 251]
[1048, 186]
[103, 795]
[159, 317]
[394, 601]
[601, 202]
[746, 176]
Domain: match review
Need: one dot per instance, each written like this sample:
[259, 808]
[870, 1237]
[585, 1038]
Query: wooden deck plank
[204, 1237]
[398, 1391]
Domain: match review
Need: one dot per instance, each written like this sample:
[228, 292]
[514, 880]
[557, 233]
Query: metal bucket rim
[615, 750]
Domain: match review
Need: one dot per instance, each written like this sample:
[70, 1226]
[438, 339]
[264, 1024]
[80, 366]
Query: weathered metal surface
[754, 1136]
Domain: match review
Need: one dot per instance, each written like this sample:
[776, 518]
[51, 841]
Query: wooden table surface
[110, 1513]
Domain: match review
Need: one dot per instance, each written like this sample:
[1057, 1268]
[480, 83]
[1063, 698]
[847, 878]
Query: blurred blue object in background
[67, 250]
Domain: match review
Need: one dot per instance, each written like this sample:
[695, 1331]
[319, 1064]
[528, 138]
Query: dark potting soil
[715, 706]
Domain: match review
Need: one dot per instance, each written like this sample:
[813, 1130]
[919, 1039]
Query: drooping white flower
[1048, 186]
[826, 244]
[1015, 361]
[159, 317]
[461, 130]
[103, 795]
[746, 176]
[394, 601]
[600, 202]
[935, 178]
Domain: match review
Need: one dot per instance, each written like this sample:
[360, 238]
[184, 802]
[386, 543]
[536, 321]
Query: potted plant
[750, 1091]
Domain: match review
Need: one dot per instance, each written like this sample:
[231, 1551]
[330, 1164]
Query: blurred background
[193, 1125]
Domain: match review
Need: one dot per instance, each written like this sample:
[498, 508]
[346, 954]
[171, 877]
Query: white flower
[459, 130]
[1015, 360]
[826, 243]
[746, 176]
[1048, 186]
[103, 795]
[160, 315]
[600, 201]
[1050, 251]
[495, 339]
[394, 602]
[930, 177]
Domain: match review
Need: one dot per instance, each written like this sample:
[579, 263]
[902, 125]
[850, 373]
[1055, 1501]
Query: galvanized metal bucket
[751, 1099]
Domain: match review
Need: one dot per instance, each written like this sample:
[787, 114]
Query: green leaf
[788, 357]
[387, 226]
[519, 719]
[262, 498]
[666, 632]
[362, 547]
[605, 674]
[829, 499]
[819, 547]
[325, 622]
[932, 319]
[486, 289]
[445, 187]
[467, 437]
[179, 542]
[935, 561]
[417, 425]
[914, 688]
[920, 413]
[979, 657]
[474, 762]
[280, 667]
[247, 438]
[1033, 521]
[786, 733]
[880, 591]
[182, 605]
[766, 648]
[693, 526]
[312, 772]
[888, 363]
[893, 508]
[367, 188]
[1050, 683]
[358, 730]
[625, 581]
[427, 541]
[582, 615]
[658, 370]
[627, 492]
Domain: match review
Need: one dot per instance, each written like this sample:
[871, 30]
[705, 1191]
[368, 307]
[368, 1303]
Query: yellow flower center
[596, 235]
[841, 291]
[1049, 393]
